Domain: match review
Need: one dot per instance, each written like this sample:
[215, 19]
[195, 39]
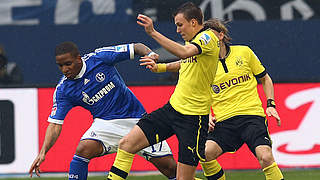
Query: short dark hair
[190, 11]
[67, 47]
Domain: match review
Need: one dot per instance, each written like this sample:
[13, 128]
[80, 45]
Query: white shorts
[109, 132]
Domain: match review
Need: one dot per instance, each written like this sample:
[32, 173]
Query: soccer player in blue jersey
[92, 81]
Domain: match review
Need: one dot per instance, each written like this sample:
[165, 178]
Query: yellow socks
[121, 166]
[212, 170]
[273, 172]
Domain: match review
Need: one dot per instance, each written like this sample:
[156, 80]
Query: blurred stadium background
[284, 34]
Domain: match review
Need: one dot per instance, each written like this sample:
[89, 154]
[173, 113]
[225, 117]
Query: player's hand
[154, 56]
[271, 111]
[36, 165]
[146, 22]
[149, 63]
[212, 122]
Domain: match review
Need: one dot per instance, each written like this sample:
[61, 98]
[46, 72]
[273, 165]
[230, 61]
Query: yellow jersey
[193, 93]
[235, 86]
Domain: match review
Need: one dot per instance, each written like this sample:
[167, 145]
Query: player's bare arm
[267, 85]
[144, 50]
[181, 51]
[52, 134]
[154, 67]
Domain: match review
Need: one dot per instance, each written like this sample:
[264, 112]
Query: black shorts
[191, 131]
[232, 133]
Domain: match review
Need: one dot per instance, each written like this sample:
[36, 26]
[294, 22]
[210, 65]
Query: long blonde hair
[219, 26]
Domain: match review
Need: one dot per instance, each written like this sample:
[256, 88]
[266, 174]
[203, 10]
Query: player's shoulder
[240, 48]
[206, 36]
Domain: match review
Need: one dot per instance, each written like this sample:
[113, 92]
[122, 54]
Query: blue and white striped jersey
[98, 88]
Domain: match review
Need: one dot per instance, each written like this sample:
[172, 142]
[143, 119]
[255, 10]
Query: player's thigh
[191, 131]
[134, 141]
[255, 132]
[156, 125]
[109, 132]
[226, 136]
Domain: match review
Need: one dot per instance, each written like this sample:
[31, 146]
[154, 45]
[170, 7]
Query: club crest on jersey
[100, 77]
[121, 48]
[239, 61]
[205, 38]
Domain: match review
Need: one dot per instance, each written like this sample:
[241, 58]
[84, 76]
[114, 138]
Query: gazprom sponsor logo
[230, 82]
[99, 95]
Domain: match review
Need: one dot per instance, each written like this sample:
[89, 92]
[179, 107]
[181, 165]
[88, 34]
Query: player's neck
[223, 50]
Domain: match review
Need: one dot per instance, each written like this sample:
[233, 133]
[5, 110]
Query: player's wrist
[271, 103]
[151, 53]
[161, 68]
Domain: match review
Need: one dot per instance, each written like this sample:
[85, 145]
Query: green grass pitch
[289, 174]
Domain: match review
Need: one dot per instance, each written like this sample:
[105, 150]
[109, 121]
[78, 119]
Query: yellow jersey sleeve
[254, 63]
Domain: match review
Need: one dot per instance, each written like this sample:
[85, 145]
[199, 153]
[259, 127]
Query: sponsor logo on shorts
[93, 134]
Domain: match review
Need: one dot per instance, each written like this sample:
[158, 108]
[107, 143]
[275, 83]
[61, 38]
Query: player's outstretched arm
[143, 50]
[159, 67]
[267, 85]
[52, 134]
[181, 51]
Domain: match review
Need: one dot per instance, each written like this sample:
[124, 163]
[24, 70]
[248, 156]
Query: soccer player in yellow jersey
[238, 110]
[239, 116]
[187, 112]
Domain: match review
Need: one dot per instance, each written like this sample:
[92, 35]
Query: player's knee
[88, 151]
[123, 143]
[266, 159]
[171, 167]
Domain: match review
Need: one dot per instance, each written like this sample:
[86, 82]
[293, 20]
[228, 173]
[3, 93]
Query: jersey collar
[82, 71]
[228, 52]
[203, 29]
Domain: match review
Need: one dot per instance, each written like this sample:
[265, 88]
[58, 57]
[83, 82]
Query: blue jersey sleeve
[61, 107]
[114, 54]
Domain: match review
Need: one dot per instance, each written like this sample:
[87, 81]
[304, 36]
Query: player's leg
[128, 146]
[257, 137]
[211, 167]
[161, 157]
[266, 160]
[185, 171]
[86, 150]
[224, 138]
[148, 131]
[166, 165]
[191, 131]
